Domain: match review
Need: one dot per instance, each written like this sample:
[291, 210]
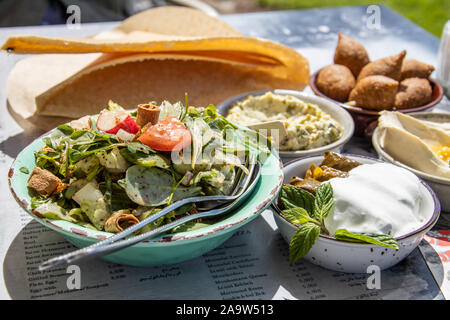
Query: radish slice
[112, 122]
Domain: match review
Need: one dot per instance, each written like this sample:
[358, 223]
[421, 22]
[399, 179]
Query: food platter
[254, 68]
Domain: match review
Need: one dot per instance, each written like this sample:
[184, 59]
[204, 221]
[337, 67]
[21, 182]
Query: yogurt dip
[307, 126]
[376, 198]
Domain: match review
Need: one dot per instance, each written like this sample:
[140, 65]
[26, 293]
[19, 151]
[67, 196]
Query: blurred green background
[429, 14]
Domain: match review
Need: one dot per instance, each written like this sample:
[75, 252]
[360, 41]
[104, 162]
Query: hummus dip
[422, 145]
[306, 124]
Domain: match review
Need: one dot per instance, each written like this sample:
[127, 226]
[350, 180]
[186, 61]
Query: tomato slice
[167, 135]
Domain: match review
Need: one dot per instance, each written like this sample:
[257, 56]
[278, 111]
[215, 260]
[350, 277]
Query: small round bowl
[342, 256]
[336, 112]
[363, 117]
[441, 186]
[164, 249]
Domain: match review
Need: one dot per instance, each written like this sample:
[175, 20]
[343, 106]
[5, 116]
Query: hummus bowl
[343, 256]
[340, 115]
[440, 185]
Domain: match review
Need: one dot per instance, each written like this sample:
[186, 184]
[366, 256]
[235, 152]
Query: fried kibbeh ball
[389, 66]
[413, 92]
[412, 68]
[350, 53]
[374, 92]
[336, 81]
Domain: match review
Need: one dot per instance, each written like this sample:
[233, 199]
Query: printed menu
[253, 264]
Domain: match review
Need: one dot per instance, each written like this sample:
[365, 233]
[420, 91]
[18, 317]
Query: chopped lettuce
[145, 160]
[113, 161]
[91, 201]
[52, 211]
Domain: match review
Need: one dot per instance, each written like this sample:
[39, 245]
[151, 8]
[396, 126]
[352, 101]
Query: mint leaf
[303, 240]
[297, 215]
[324, 201]
[383, 240]
[294, 197]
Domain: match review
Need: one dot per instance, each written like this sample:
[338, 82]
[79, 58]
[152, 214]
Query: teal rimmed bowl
[165, 249]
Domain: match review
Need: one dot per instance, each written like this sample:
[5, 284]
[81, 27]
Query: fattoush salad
[110, 171]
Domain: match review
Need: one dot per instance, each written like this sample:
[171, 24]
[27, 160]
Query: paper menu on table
[436, 249]
[252, 264]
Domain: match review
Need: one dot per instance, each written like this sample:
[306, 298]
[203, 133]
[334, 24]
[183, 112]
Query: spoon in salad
[115, 242]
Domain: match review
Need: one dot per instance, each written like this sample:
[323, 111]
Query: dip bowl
[350, 257]
[441, 186]
[333, 109]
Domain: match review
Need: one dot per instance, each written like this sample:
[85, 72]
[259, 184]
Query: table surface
[312, 32]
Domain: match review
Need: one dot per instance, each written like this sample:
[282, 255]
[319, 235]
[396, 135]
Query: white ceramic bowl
[356, 257]
[441, 186]
[335, 111]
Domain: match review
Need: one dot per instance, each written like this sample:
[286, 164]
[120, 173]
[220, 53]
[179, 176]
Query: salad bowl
[167, 248]
[351, 257]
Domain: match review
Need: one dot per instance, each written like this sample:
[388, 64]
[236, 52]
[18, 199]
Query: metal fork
[113, 244]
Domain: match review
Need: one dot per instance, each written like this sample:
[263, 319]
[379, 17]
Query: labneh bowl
[333, 109]
[441, 186]
[364, 117]
[164, 249]
[350, 257]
